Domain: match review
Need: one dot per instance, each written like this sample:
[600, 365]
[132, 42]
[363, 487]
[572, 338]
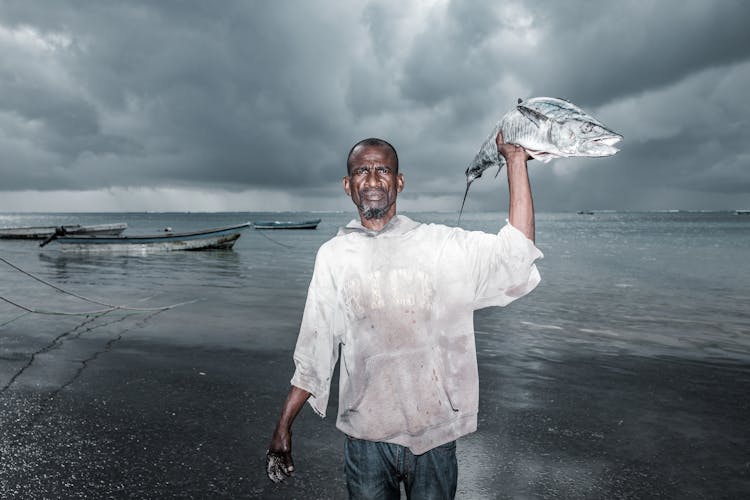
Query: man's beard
[370, 213]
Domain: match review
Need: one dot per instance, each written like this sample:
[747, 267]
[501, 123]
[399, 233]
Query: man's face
[373, 182]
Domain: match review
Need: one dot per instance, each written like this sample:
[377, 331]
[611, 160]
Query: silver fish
[546, 127]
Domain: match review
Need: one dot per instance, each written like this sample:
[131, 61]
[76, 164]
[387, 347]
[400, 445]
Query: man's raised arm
[521, 209]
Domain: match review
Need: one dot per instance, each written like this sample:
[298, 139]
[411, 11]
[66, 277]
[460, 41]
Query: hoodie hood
[398, 225]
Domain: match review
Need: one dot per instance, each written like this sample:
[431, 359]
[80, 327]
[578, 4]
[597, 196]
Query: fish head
[474, 171]
[485, 158]
[585, 138]
[478, 165]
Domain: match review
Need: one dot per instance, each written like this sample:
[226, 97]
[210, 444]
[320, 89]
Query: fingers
[278, 467]
[507, 148]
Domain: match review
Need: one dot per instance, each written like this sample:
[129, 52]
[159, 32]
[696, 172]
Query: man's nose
[372, 177]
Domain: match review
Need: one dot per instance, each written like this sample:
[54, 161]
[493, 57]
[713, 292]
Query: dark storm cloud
[205, 95]
[254, 95]
[591, 51]
[624, 48]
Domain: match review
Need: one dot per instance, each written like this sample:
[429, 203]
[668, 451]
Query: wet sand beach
[120, 415]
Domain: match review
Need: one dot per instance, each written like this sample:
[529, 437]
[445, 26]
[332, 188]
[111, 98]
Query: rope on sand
[109, 307]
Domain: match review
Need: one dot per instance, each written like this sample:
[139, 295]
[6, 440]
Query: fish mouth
[610, 140]
[603, 146]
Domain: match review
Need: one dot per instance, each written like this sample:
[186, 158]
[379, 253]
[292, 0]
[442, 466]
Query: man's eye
[383, 170]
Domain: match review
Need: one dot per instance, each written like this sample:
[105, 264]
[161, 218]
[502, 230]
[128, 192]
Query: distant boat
[206, 239]
[585, 212]
[742, 212]
[42, 232]
[288, 224]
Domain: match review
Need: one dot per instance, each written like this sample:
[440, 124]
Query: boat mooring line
[43, 349]
[106, 348]
[69, 334]
[263, 233]
[17, 317]
[110, 307]
[56, 313]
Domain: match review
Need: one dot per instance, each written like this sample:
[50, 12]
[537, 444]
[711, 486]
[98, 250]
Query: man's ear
[400, 183]
[347, 187]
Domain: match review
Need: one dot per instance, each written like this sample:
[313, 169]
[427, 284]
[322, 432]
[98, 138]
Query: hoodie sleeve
[317, 347]
[501, 267]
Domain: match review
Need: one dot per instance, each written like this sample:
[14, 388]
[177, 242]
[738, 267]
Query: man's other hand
[279, 463]
[278, 466]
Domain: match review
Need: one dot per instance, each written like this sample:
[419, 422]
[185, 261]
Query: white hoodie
[400, 303]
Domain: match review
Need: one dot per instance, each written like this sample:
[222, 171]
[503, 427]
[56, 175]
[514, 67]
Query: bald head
[372, 142]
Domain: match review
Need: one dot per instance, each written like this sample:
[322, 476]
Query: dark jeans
[374, 471]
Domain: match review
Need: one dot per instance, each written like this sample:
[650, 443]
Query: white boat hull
[42, 232]
[209, 239]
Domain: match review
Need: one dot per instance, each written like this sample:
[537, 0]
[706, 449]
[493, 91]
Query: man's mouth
[373, 194]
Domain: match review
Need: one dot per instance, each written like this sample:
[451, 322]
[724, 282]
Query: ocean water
[646, 283]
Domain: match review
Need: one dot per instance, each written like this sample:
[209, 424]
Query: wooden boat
[288, 224]
[215, 238]
[42, 232]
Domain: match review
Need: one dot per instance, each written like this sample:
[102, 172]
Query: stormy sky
[252, 105]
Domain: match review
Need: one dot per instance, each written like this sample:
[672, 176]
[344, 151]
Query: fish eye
[587, 127]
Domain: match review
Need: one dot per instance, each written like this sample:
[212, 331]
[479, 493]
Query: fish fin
[535, 116]
[543, 156]
[500, 165]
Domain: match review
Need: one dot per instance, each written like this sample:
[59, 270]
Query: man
[397, 298]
